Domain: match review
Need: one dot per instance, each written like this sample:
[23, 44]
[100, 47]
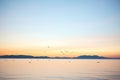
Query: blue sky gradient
[31, 20]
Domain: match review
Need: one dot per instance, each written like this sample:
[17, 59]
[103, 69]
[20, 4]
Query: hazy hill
[91, 57]
[46, 57]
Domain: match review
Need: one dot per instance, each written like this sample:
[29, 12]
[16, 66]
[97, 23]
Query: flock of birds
[63, 52]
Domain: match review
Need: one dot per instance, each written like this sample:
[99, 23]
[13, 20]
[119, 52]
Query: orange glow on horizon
[52, 52]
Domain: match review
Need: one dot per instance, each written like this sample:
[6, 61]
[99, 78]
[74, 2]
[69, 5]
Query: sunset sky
[60, 27]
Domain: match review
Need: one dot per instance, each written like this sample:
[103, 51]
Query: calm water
[61, 69]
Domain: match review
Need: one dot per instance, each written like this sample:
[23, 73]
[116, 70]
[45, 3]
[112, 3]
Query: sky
[60, 27]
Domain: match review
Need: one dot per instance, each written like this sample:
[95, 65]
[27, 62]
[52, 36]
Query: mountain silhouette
[91, 57]
[22, 56]
[46, 57]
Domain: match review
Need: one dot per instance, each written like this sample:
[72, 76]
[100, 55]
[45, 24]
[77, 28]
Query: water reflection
[62, 69]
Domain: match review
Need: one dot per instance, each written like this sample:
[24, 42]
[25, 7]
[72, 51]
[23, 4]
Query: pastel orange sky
[106, 46]
[60, 27]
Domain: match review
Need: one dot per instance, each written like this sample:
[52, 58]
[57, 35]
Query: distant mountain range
[22, 56]
[91, 57]
[46, 57]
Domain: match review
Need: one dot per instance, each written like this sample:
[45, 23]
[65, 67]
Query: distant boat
[98, 62]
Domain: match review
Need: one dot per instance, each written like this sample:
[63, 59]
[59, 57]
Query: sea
[59, 69]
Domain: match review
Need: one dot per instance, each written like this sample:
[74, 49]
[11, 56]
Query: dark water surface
[59, 69]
